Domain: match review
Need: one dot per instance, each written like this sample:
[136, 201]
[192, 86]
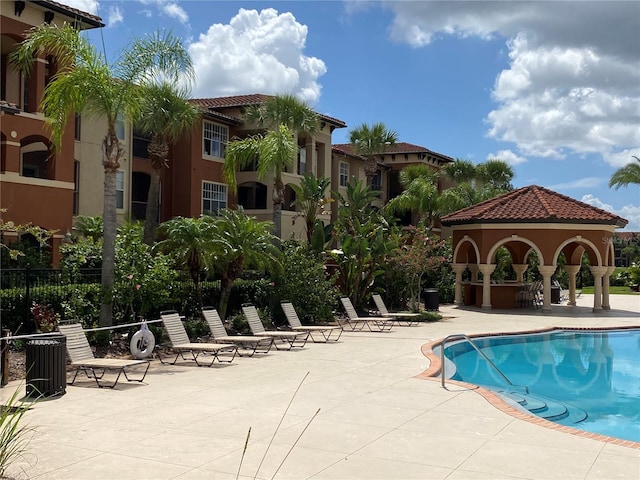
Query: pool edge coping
[435, 366]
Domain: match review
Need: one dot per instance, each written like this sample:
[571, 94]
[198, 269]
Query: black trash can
[555, 294]
[46, 364]
[431, 299]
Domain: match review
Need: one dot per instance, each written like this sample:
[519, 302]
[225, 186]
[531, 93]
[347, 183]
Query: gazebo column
[546, 271]
[520, 268]
[474, 272]
[605, 288]
[598, 273]
[458, 268]
[572, 270]
[486, 269]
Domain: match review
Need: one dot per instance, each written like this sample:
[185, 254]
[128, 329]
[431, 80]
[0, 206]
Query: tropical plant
[284, 109]
[420, 195]
[14, 436]
[627, 175]
[90, 227]
[86, 82]
[311, 198]
[274, 151]
[370, 142]
[239, 242]
[40, 235]
[189, 242]
[165, 114]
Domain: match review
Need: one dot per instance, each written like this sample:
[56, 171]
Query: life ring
[142, 343]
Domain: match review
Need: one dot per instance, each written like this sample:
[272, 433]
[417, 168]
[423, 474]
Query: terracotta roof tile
[93, 20]
[395, 149]
[532, 204]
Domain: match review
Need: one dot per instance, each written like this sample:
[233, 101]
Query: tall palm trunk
[112, 152]
[158, 153]
[232, 273]
[278, 200]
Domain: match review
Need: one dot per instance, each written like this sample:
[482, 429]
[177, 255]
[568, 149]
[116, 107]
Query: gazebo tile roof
[532, 204]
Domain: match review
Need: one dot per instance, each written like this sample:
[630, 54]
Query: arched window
[34, 161]
[252, 196]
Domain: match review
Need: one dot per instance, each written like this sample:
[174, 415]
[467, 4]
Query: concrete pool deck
[377, 418]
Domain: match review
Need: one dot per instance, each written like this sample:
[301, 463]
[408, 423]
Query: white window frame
[120, 127]
[344, 174]
[120, 190]
[213, 192]
[216, 135]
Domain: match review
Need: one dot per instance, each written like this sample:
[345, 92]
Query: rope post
[4, 357]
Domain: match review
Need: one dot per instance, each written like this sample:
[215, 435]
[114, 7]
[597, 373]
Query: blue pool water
[585, 379]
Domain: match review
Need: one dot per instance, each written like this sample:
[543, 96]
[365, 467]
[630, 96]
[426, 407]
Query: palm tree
[420, 194]
[166, 115]
[189, 241]
[86, 82]
[241, 241]
[310, 196]
[284, 109]
[496, 174]
[370, 142]
[624, 176]
[274, 151]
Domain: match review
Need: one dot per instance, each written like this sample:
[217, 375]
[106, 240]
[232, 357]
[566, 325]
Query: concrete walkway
[376, 420]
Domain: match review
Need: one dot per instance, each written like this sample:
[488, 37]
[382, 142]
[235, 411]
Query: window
[344, 174]
[141, 142]
[302, 161]
[214, 197]
[34, 161]
[76, 187]
[376, 181]
[119, 189]
[214, 139]
[77, 125]
[120, 127]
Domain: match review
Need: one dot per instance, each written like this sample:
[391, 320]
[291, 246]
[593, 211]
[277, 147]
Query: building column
[598, 273]
[458, 268]
[572, 270]
[520, 268]
[546, 271]
[605, 288]
[474, 272]
[486, 269]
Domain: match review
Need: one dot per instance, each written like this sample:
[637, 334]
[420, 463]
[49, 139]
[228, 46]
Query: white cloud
[621, 158]
[256, 52]
[507, 156]
[170, 8]
[114, 16]
[629, 212]
[571, 86]
[87, 6]
[587, 182]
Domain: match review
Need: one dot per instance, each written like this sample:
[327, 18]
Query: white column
[598, 273]
[520, 268]
[546, 271]
[605, 288]
[486, 269]
[458, 268]
[572, 270]
[474, 272]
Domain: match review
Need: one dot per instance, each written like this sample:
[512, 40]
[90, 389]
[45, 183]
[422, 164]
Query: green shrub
[14, 436]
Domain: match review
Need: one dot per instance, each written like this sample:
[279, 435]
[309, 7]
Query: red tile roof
[246, 100]
[91, 19]
[532, 204]
[395, 149]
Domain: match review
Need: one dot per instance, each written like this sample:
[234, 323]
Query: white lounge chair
[248, 345]
[356, 323]
[82, 358]
[282, 340]
[323, 333]
[406, 318]
[181, 344]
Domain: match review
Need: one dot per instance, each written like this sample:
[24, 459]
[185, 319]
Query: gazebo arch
[538, 219]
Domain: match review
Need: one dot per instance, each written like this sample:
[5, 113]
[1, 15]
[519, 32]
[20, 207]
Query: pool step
[551, 410]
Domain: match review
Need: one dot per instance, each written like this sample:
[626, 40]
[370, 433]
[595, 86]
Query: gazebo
[530, 219]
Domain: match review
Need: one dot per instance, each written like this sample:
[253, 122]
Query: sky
[550, 87]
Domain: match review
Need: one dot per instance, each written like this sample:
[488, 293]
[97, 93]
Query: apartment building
[37, 185]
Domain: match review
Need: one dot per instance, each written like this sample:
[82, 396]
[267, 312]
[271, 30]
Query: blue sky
[553, 88]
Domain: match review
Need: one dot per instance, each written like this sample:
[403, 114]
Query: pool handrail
[475, 347]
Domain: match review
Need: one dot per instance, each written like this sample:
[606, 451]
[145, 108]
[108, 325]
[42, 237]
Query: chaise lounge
[406, 318]
[323, 333]
[248, 345]
[356, 323]
[282, 340]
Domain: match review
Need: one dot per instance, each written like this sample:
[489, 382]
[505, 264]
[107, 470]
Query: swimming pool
[588, 380]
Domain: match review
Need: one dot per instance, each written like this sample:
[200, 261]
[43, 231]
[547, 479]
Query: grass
[612, 290]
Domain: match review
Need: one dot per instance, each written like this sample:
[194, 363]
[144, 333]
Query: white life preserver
[142, 343]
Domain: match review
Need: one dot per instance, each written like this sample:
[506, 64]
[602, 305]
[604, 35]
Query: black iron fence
[20, 288]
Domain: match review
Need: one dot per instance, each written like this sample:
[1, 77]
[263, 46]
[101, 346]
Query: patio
[376, 419]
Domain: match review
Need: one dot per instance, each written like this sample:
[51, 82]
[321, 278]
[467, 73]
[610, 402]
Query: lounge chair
[281, 340]
[181, 344]
[82, 358]
[323, 333]
[247, 344]
[406, 318]
[356, 323]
